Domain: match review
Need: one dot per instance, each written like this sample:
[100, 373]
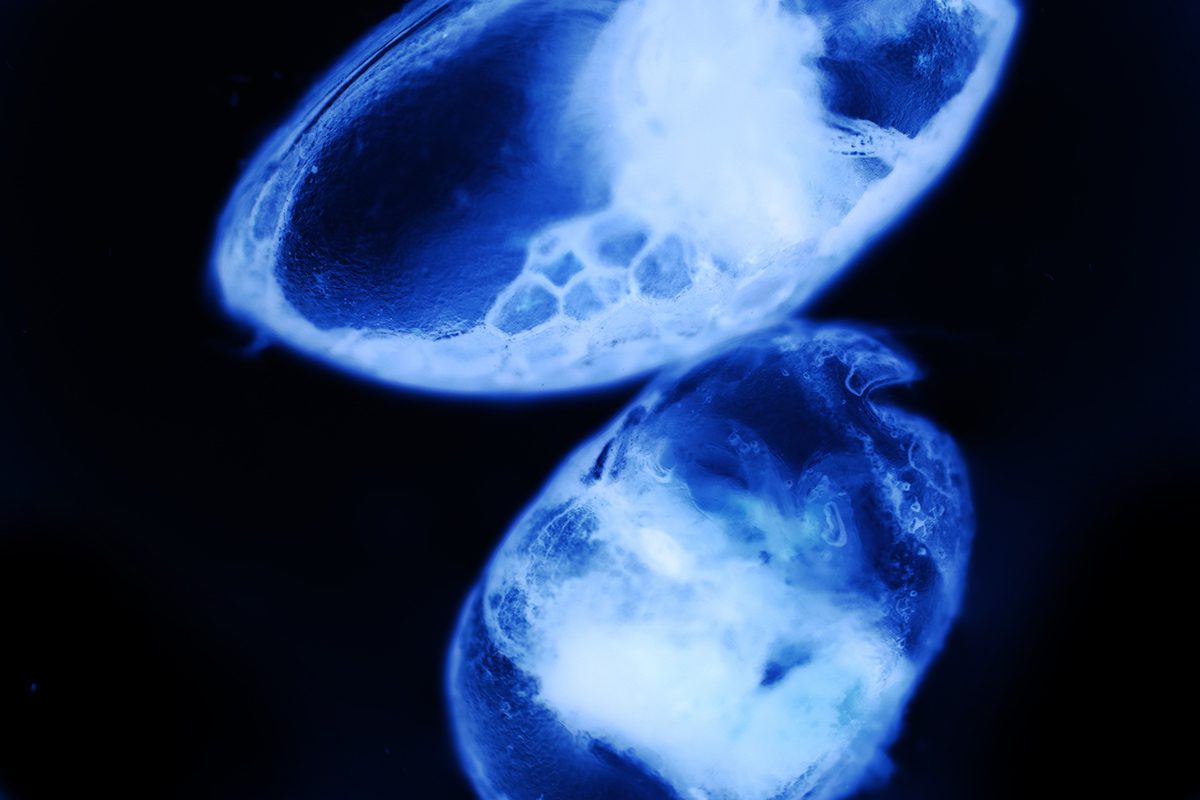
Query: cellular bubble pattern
[729, 594]
[514, 196]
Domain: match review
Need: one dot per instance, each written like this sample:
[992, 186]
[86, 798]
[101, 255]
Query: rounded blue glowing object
[729, 593]
[515, 196]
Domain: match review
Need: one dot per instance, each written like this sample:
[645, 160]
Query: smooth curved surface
[519, 196]
[729, 593]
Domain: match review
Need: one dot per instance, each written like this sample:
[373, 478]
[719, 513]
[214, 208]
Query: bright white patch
[717, 125]
[738, 610]
[663, 650]
[663, 554]
[733, 193]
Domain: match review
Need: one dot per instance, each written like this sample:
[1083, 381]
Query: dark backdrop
[232, 575]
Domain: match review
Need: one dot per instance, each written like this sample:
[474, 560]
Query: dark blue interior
[422, 202]
[812, 424]
[901, 83]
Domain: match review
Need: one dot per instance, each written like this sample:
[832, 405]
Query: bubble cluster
[526, 195]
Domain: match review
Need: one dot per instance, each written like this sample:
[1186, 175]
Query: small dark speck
[773, 674]
[598, 468]
[764, 556]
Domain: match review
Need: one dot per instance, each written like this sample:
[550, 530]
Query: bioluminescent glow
[529, 195]
[729, 593]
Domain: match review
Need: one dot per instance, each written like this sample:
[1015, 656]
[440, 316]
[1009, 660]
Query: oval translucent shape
[729, 593]
[526, 195]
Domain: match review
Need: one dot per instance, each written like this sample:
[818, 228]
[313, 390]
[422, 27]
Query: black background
[230, 574]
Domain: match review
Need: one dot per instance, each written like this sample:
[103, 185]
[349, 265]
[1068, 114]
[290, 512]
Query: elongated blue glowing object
[514, 196]
[729, 593]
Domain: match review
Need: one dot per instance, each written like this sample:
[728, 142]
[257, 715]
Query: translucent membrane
[522, 195]
[728, 594]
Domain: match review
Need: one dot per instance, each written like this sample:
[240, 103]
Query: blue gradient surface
[520, 196]
[729, 593]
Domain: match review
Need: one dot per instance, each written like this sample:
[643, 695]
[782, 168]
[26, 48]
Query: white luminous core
[729, 593]
[530, 196]
[718, 131]
[663, 651]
